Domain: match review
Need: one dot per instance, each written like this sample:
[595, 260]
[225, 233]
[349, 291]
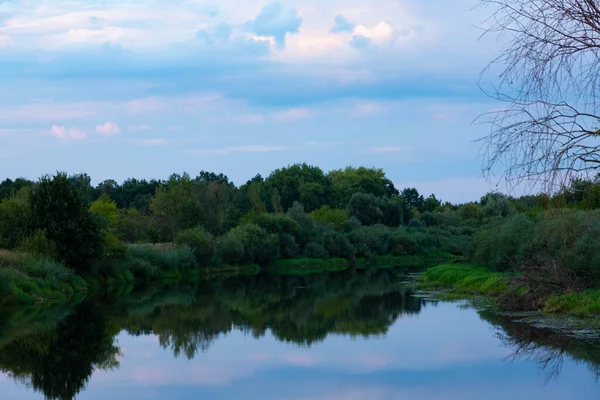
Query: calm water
[350, 335]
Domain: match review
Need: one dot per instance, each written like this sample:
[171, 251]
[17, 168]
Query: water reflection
[56, 351]
[545, 347]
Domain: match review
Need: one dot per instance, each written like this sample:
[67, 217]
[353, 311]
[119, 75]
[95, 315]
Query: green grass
[27, 279]
[304, 266]
[585, 304]
[464, 279]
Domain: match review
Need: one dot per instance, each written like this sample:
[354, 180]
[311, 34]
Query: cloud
[144, 106]
[388, 149]
[5, 41]
[238, 149]
[276, 20]
[250, 118]
[371, 108]
[382, 32]
[293, 114]
[342, 25]
[108, 129]
[150, 142]
[360, 42]
[138, 127]
[64, 134]
[313, 143]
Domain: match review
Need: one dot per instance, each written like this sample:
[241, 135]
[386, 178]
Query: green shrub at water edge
[38, 244]
[578, 304]
[200, 241]
[173, 258]
[464, 278]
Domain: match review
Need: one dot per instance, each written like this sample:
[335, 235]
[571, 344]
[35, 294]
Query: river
[345, 335]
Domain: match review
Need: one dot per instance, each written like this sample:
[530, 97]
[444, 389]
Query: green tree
[352, 180]
[299, 182]
[200, 241]
[327, 215]
[365, 208]
[230, 248]
[175, 204]
[59, 209]
[14, 219]
[430, 204]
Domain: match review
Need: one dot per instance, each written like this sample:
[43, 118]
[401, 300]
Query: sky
[147, 88]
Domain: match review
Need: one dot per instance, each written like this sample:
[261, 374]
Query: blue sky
[146, 88]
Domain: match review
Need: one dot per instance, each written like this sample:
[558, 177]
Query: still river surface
[346, 335]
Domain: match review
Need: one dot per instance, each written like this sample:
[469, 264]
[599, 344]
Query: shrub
[259, 246]
[337, 245]
[337, 218]
[315, 250]
[171, 259]
[402, 243]
[365, 207]
[39, 245]
[51, 271]
[230, 248]
[200, 241]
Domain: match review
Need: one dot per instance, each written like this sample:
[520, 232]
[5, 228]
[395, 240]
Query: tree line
[140, 230]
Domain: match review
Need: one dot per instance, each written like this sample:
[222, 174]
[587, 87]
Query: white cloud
[52, 110]
[138, 127]
[5, 41]
[371, 108]
[144, 106]
[388, 149]
[62, 133]
[380, 33]
[108, 129]
[293, 114]
[238, 149]
[151, 142]
[320, 144]
[250, 118]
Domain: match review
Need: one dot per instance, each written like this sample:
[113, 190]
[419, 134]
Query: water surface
[346, 335]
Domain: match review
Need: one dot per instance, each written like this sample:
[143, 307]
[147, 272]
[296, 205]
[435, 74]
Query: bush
[39, 245]
[113, 247]
[51, 271]
[200, 241]
[259, 246]
[326, 215]
[230, 248]
[171, 259]
[315, 250]
[143, 270]
[338, 245]
[365, 207]
[401, 243]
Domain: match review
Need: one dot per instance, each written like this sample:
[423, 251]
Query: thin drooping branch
[550, 80]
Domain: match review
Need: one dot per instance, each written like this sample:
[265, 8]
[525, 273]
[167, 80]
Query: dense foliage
[145, 229]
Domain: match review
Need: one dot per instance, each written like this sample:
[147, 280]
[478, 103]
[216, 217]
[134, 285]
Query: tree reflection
[546, 347]
[59, 362]
[58, 358]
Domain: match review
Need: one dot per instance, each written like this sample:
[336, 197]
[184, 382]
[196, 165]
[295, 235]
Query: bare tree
[548, 129]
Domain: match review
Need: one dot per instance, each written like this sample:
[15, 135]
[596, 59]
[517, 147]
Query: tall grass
[178, 258]
[464, 279]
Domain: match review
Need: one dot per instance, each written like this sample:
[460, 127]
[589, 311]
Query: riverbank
[27, 279]
[454, 281]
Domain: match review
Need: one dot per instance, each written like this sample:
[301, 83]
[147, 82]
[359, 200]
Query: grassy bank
[464, 280]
